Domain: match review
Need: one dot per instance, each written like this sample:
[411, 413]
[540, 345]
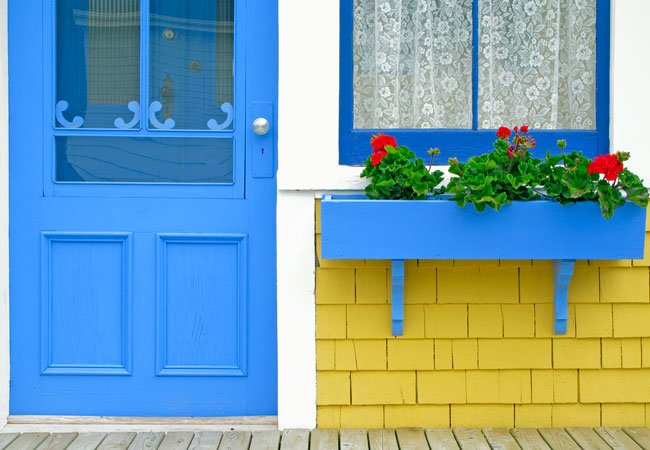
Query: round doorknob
[261, 126]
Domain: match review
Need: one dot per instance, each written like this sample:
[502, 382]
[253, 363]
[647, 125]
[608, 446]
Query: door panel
[142, 257]
[202, 301]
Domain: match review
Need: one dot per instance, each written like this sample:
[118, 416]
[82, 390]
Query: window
[144, 95]
[447, 73]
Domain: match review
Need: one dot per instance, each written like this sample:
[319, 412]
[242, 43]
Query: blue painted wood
[346, 90]
[101, 265]
[52, 53]
[202, 289]
[354, 227]
[263, 154]
[86, 303]
[562, 273]
[354, 144]
[463, 144]
[397, 291]
[603, 68]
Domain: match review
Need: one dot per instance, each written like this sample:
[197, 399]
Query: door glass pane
[144, 160]
[412, 64]
[537, 64]
[98, 64]
[191, 56]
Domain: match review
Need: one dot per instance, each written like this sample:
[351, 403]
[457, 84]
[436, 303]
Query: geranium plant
[396, 174]
[508, 173]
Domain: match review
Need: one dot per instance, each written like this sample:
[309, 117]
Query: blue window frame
[463, 143]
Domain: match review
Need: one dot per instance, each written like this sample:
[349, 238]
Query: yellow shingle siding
[479, 348]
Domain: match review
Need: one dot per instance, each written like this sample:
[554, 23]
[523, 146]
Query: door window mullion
[144, 63]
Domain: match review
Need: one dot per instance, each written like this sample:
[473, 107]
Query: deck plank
[324, 439]
[411, 438]
[558, 439]
[58, 441]
[617, 439]
[382, 439]
[87, 441]
[147, 441]
[7, 438]
[117, 441]
[529, 439]
[588, 438]
[354, 440]
[500, 438]
[206, 440]
[265, 440]
[471, 439]
[235, 440]
[177, 440]
[295, 440]
[27, 441]
[639, 435]
[441, 439]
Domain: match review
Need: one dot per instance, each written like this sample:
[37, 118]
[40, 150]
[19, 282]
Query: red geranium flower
[524, 128]
[378, 156]
[380, 142]
[504, 133]
[608, 165]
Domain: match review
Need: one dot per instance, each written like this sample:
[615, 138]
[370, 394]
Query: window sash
[463, 143]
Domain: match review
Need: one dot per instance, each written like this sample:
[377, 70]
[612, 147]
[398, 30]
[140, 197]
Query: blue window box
[354, 227]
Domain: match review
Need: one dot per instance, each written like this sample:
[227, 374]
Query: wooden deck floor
[401, 439]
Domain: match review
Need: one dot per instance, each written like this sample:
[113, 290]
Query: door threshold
[63, 424]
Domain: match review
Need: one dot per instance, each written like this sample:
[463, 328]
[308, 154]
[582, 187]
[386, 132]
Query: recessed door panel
[86, 303]
[202, 305]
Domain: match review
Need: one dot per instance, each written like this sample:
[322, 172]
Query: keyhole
[262, 151]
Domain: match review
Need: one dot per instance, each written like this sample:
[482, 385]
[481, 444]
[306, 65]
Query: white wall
[309, 82]
[308, 150]
[4, 222]
[631, 83]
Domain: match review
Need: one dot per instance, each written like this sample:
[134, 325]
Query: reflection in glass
[144, 160]
[98, 63]
[191, 57]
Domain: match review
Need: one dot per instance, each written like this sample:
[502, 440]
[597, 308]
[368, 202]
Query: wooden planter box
[354, 227]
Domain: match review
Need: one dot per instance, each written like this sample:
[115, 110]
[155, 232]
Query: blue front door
[143, 207]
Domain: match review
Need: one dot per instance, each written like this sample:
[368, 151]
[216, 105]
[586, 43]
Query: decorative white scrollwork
[120, 123]
[215, 126]
[62, 106]
[153, 109]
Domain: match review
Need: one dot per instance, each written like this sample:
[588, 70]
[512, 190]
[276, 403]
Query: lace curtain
[413, 63]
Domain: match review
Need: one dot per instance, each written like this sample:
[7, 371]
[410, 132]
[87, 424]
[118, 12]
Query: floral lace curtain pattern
[413, 63]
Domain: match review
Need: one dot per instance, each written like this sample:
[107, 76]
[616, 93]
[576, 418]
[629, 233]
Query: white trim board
[4, 218]
[296, 310]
